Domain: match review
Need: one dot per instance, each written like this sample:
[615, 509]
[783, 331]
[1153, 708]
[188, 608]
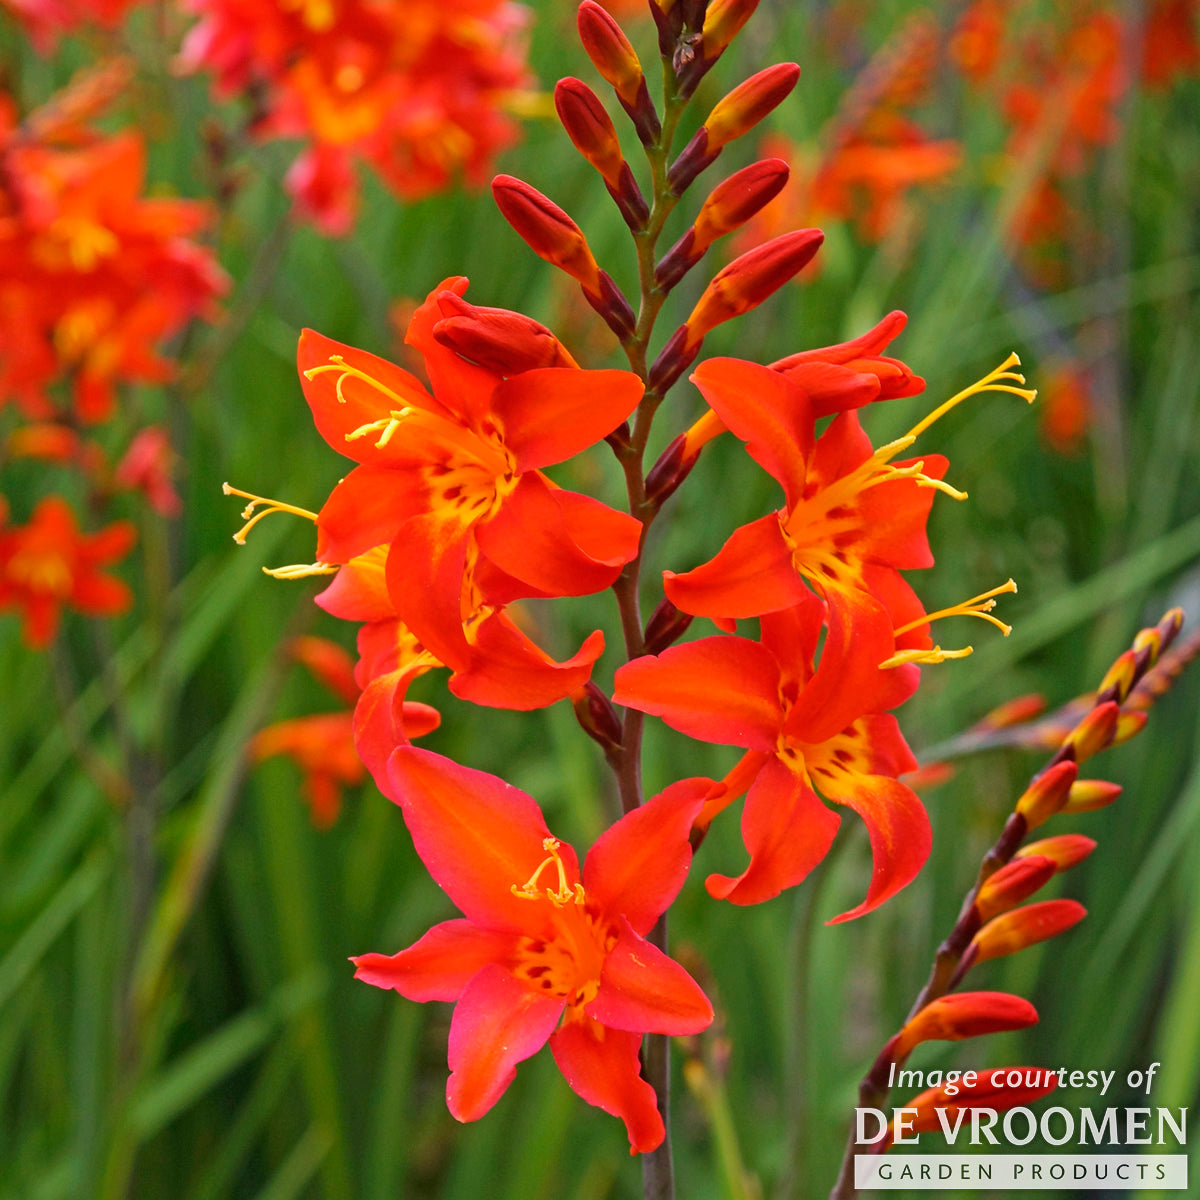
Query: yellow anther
[924, 657]
[916, 471]
[252, 518]
[565, 894]
[1002, 379]
[978, 606]
[301, 570]
[389, 425]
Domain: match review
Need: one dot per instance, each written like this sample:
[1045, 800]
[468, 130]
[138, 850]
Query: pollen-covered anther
[978, 606]
[272, 506]
[385, 426]
[920, 658]
[916, 472]
[565, 893]
[301, 570]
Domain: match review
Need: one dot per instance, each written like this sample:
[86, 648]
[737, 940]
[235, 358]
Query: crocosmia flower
[545, 952]
[48, 564]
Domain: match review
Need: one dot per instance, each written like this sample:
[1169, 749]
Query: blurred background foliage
[178, 1018]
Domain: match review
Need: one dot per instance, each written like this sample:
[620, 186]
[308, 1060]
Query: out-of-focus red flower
[93, 276]
[46, 20]
[422, 91]
[1066, 410]
[804, 730]
[1170, 48]
[147, 467]
[545, 952]
[55, 443]
[977, 42]
[48, 564]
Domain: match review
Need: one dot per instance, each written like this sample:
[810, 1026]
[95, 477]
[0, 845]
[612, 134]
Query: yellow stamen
[978, 606]
[916, 471]
[301, 570]
[389, 425]
[338, 363]
[921, 657]
[1001, 379]
[565, 894]
[253, 518]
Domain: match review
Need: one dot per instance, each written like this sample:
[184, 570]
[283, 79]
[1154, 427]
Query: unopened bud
[1094, 732]
[1012, 712]
[1066, 850]
[597, 717]
[502, 341]
[547, 230]
[612, 306]
[1014, 882]
[1129, 725]
[962, 1015]
[673, 359]
[989, 1091]
[1087, 795]
[1024, 927]
[729, 205]
[722, 23]
[1047, 793]
[750, 279]
[666, 625]
[1120, 677]
[671, 469]
[668, 17]
[589, 127]
[610, 51]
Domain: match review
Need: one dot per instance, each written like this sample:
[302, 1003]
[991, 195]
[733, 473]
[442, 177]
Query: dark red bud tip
[693, 158]
[677, 261]
[597, 717]
[673, 467]
[609, 302]
[668, 17]
[665, 626]
[676, 356]
[644, 116]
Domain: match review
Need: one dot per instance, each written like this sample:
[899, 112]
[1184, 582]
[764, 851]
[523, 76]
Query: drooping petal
[553, 413]
[639, 864]
[498, 1023]
[603, 1066]
[644, 991]
[898, 826]
[358, 592]
[717, 689]
[529, 538]
[769, 412]
[750, 575]
[786, 830]
[365, 510]
[439, 965]
[380, 721]
[425, 570]
[507, 670]
[478, 836]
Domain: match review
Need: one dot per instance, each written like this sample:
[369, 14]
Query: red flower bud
[743, 108]
[1047, 793]
[1013, 712]
[962, 1015]
[1086, 795]
[610, 50]
[722, 23]
[1065, 850]
[992, 1089]
[1120, 677]
[666, 624]
[597, 717]
[589, 127]
[1129, 725]
[1014, 882]
[750, 279]
[547, 230]
[1023, 927]
[502, 341]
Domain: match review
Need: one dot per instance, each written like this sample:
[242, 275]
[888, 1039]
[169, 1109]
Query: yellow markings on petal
[301, 570]
[1002, 379]
[565, 894]
[924, 657]
[272, 506]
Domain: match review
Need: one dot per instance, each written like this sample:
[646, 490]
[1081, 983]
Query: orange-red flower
[420, 90]
[545, 952]
[49, 564]
[78, 243]
[450, 480]
[805, 732]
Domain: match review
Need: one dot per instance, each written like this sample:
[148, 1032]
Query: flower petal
[439, 965]
[786, 830]
[769, 412]
[639, 864]
[750, 575]
[365, 510]
[498, 1023]
[718, 689]
[644, 991]
[478, 836]
[553, 413]
[603, 1066]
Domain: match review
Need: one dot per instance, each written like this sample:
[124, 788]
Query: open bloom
[543, 952]
[450, 479]
[48, 564]
[804, 732]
